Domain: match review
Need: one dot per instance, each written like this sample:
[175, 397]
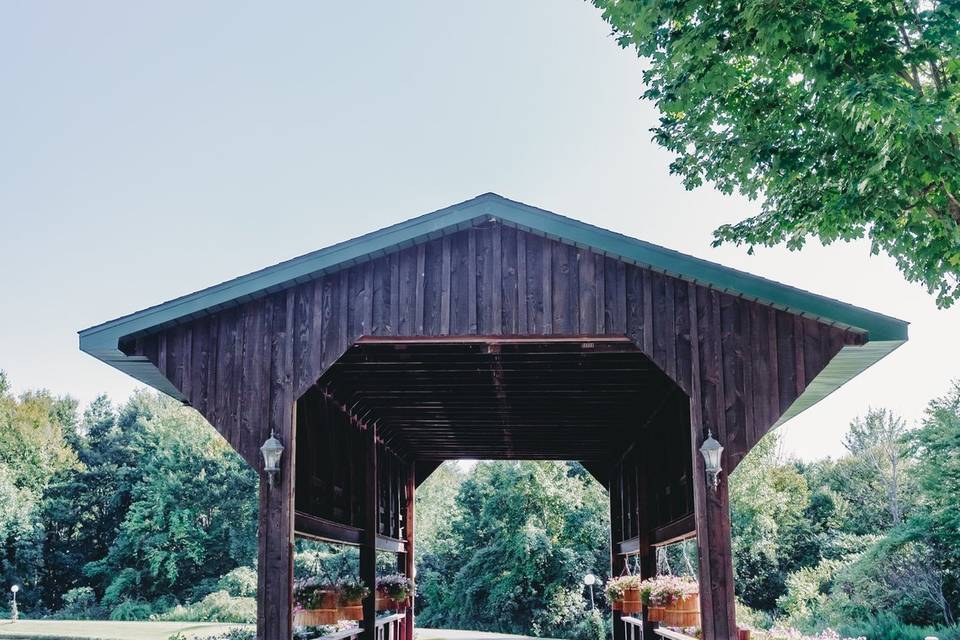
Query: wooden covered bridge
[494, 330]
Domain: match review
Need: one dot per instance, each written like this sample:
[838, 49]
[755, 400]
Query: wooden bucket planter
[326, 614]
[385, 602]
[631, 601]
[616, 605]
[351, 610]
[655, 614]
[684, 612]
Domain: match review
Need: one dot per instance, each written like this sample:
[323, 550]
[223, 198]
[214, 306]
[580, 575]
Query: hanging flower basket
[394, 592]
[352, 592]
[683, 612]
[631, 599]
[672, 601]
[623, 594]
[315, 603]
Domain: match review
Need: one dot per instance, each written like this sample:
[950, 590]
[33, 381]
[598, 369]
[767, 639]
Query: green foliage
[239, 582]
[131, 610]
[886, 626]
[843, 115]
[511, 555]
[232, 634]
[218, 606]
[192, 511]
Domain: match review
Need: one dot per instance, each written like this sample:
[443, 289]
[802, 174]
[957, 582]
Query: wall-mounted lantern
[272, 451]
[711, 450]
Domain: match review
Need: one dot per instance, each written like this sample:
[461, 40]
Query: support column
[646, 552]
[712, 509]
[616, 531]
[371, 521]
[275, 540]
[409, 558]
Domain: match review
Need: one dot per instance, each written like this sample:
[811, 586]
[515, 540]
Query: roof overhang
[883, 333]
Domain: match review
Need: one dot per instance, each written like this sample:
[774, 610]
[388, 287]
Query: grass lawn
[108, 630]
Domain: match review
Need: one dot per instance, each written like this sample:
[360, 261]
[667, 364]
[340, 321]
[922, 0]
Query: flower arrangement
[352, 590]
[396, 586]
[781, 633]
[313, 593]
[623, 593]
[663, 591]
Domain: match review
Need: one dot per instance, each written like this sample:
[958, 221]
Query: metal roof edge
[102, 340]
[851, 361]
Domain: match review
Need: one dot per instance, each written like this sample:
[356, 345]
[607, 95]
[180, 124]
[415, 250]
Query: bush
[887, 626]
[240, 582]
[592, 627]
[219, 606]
[131, 610]
[232, 634]
[79, 603]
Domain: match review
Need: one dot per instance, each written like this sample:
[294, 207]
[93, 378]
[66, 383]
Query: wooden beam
[711, 507]
[408, 532]
[275, 530]
[368, 549]
[617, 561]
[685, 527]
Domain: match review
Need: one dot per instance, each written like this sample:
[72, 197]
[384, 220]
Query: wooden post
[371, 522]
[647, 552]
[712, 509]
[616, 530]
[409, 558]
[275, 540]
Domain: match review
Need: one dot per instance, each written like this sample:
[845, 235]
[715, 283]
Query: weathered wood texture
[755, 359]
[741, 363]
[330, 482]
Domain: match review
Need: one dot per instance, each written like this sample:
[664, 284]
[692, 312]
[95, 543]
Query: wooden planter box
[683, 613]
[655, 614]
[350, 610]
[385, 602]
[631, 601]
[326, 613]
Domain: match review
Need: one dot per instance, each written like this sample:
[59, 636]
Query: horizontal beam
[680, 529]
[309, 526]
[490, 339]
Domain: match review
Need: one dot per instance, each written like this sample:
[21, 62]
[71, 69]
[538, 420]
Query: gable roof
[884, 333]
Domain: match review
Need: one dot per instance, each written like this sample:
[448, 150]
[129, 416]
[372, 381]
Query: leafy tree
[85, 504]
[842, 114]
[937, 519]
[513, 554]
[192, 512]
[879, 440]
[32, 451]
[771, 533]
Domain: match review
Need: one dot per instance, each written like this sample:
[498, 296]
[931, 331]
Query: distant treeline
[142, 510]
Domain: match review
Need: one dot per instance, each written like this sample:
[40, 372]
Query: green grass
[107, 630]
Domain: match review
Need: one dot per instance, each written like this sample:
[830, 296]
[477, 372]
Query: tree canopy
[843, 115]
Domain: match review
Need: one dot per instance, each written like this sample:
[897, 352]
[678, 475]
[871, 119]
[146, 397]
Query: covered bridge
[495, 330]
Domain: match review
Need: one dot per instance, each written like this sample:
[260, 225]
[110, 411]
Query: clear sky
[150, 150]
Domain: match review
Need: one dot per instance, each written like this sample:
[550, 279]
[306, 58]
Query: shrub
[218, 606]
[240, 582]
[232, 634]
[887, 626]
[592, 627]
[79, 603]
[131, 610]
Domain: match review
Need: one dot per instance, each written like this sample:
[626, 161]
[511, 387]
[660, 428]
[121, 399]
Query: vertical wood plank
[419, 298]
[547, 285]
[445, 288]
[522, 300]
[496, 282]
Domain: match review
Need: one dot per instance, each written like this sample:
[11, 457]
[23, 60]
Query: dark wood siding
[754, 360]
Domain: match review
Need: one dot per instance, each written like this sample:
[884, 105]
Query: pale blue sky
[149, 150]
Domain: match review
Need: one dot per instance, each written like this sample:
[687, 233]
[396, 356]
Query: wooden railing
[388, 628]
[391, 627]
[633, 627]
